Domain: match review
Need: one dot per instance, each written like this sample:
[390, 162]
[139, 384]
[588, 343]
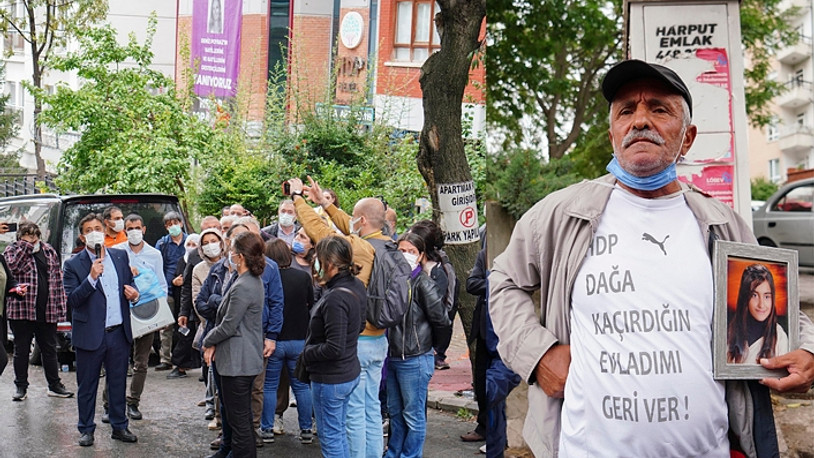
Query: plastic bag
[148, 286]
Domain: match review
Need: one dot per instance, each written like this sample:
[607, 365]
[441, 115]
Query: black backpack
[389, 288]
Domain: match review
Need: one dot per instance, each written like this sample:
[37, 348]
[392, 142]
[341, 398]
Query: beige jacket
[545, 253]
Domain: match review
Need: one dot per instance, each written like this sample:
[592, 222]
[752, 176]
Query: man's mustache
[643, 134]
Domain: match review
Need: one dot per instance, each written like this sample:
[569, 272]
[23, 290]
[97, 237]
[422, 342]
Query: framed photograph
[756, 309]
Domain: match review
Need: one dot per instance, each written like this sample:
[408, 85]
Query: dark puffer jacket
[427, 316]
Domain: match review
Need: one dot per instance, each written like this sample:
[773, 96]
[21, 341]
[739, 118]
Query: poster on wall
[215, 47]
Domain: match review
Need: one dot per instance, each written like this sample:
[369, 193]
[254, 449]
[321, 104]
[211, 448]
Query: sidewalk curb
[447, 401]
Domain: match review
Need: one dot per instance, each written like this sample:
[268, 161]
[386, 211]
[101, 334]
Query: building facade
[365, 54]
[125, 17]
[788, 142]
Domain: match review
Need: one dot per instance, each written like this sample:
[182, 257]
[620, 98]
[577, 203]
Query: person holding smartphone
[36, 312]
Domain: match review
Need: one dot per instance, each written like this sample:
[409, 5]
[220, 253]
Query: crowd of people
[264, 311]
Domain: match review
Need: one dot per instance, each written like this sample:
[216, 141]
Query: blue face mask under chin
[648, 183]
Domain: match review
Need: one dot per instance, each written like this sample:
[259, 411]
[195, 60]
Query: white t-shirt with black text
[640, 381]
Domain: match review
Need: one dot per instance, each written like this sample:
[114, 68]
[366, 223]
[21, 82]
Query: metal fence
[21, 184]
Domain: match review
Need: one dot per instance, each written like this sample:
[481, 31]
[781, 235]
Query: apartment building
[125, 17]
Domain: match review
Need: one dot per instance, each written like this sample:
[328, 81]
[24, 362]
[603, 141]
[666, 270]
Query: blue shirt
[110, 286]
[171, 252]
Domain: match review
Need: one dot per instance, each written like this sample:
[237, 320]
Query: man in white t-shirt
[624, 272]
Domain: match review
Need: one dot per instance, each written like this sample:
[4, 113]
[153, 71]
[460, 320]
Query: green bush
[762, 188]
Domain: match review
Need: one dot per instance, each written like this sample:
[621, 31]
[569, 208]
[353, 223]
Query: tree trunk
[441, 156]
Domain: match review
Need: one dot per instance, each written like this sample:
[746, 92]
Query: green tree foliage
[523, 179]
[762, 188]
[135, 135]
[46, 26]
[546, 61]
[545, 65]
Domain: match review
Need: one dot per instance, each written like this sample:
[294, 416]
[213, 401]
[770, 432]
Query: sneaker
[267, 435]
[210, 414]
[306, 436]
[214, 424]
[440, 365]
[20, 394]
[483, 449]
[177, 373]
[59, 391]
[258, 441]
[278, 425]
[163, 367]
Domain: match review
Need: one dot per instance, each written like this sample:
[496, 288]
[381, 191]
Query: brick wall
[352, 64]
[310, 59]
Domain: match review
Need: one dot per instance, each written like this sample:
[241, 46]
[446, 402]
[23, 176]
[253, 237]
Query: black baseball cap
[630, 70]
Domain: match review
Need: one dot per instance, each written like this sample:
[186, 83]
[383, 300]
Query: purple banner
[215, 47]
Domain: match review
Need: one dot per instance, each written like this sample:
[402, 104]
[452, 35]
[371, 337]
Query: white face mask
[94, 238]
[411, 259]
[135, 236]
[118, 225]
[211, 249]
[353, 228]
[286, 220]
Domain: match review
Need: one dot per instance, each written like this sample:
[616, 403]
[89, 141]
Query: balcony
[796, 53]
[797, 94]
[797, 139]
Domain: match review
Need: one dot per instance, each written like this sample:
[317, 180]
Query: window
[14, 90]
[14, 41]
[772, 132]
[416, 36]
[774, 170]
[800, 121]
[797, 77]
[798, 199]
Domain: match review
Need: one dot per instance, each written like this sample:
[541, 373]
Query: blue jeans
[407, 382]
[364, 409]
[331, 409]
[285, 355]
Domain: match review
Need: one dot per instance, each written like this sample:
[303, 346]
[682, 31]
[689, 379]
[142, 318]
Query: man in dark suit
[99, 285]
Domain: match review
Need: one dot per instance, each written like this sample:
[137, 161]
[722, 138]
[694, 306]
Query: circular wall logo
[351, 29]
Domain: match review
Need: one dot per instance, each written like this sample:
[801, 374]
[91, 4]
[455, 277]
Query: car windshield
[152, 213]
[40, 212]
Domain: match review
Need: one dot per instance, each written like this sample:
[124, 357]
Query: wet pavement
[174, 426]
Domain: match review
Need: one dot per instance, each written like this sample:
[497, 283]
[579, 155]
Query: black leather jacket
[426, 316]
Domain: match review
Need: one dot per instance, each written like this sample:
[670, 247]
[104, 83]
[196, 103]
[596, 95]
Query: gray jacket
[238, 332]
[545, 253]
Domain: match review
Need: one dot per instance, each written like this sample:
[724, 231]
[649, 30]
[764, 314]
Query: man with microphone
[99, 286]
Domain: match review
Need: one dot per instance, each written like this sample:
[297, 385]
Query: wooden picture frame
[744, 298]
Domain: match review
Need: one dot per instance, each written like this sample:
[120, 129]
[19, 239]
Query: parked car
[787, 220]
[58, 216]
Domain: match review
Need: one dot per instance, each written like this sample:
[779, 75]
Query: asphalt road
[173, 426]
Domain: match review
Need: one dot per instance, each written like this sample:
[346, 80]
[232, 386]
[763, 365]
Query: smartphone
[286, 189]
[12, 227]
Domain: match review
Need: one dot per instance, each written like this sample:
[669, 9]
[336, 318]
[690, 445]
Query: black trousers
[46, 335]
[183, 355]
[3, 358]
[479, 379]
[237, 399]
[442, 341]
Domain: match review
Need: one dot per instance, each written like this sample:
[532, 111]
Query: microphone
[98, 249]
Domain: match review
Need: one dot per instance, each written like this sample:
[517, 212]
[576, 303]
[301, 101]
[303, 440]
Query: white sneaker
[278, 425]
[483, 449]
